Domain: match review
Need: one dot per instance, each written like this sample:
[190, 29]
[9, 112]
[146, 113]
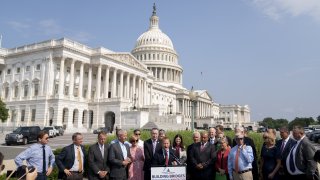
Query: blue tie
[292, 166]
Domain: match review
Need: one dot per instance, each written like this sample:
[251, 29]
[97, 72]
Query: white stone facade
[63, 82]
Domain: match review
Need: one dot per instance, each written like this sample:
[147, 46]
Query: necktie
[167, 158]
[44, 159]
[202, 147]
[79, 159]
[282, 146]
[102, 151]
[154, 144]
[237, 161]
[292, 166]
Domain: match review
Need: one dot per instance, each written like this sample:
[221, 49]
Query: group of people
[212, 155]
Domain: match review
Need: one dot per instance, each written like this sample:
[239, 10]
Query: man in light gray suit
[300, 163]
[98, 159]
[119, 157]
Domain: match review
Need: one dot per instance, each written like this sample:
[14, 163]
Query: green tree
[280, 123]
[318, 119]
[267, 122]
[304, 122]
[4, 112]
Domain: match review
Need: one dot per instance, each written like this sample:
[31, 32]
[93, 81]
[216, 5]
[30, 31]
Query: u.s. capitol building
[63, 82]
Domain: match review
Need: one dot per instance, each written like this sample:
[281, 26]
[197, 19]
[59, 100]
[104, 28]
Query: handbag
[220, 176]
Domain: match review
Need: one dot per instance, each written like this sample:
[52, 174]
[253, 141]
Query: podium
[169, 173]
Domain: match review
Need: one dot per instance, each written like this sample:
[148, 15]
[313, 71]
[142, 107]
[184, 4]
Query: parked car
[60, 130]
[23, 135]
[307, 130]
[313, 134]
[316, 138]
[52, 132]
[106, 130]
[262, 129]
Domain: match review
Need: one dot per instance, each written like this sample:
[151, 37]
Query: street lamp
[192, 96]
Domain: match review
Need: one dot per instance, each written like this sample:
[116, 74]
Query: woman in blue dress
[270, 162]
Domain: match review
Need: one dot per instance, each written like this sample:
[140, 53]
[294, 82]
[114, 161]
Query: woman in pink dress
[136, 167]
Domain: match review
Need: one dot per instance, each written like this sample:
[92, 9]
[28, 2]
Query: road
[10, 152]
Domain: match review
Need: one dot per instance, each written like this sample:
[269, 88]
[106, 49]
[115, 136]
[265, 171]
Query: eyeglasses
[137, 134]
[134, 141]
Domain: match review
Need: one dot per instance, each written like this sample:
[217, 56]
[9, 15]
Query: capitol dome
[155, 49]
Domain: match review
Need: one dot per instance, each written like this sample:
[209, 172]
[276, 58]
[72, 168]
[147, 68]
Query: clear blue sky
[264, 53]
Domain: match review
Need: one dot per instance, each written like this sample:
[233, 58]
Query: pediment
[204, 94]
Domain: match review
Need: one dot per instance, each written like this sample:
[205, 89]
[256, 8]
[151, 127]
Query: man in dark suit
[202, 157]
[98, 159]
[119, 157]
[283, 148]
[212, 136]
[165, 156]
[71, 159]
[150, 146]
[196, 139]
[300, 163]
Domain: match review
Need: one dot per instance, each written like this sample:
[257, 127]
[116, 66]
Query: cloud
[19, 26]
[50, 27]
[277, 9]
[81, 36]
[300, 71]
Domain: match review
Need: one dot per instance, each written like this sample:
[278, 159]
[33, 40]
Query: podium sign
[168, 173]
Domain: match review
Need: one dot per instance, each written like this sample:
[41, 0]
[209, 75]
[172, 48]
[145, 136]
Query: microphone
[175, 158]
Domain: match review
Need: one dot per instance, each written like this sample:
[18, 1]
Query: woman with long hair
[179, 149]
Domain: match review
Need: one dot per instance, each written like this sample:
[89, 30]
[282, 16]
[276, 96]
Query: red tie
[237, 161]
[167, 158]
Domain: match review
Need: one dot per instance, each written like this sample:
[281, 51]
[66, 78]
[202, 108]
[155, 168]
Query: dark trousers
[74, 176]
[41, 176]
[147, 175]
[298, 177]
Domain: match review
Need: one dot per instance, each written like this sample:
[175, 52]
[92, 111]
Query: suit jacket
[148, 153]
[284, 154]
[190, 166]
[66, 158]
[206, 157]
[97, 162]
[159, 158]
[304, 157]
[115, 158]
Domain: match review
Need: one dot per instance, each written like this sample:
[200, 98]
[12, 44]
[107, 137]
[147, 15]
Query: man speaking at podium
[165, 156]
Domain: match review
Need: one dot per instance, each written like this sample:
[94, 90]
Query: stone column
[151, 90]
[71, 82]
[121, 85]
[134, 86]
[156, 73]
[128, 86]
[61, 78]
[183, 107]
[89, 83]
[106, 83]
[145, 93]
[80, 91]
[42, 81]
[181, 78]
[160, 77]
[139, 91]
[114, 84]
[98, 86]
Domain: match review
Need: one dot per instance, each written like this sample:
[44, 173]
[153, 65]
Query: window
[68, 69]
[6, 93]
[23, 112]
[27, 68]
[56, 88]
[26, 89]
[0, 73]
[16, 91]
[9, 71]
[66, 90]
[33, 115]
[36, 89]
[38, 67]
[18, 70]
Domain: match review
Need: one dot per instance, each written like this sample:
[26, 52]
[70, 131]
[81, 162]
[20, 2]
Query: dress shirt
[297, 171]
[124, 150]
[245, 159]
[140, 143]
[34, 157]
[285, 142]
[212, 140]
[75, 166]
[101, 147]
